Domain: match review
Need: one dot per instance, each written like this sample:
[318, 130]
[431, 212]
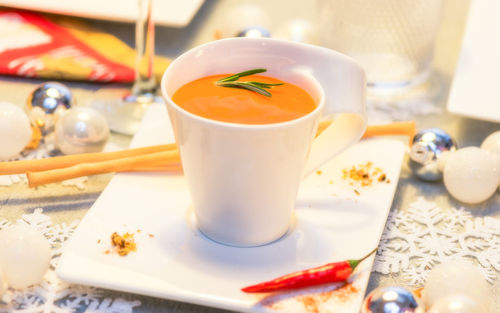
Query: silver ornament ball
[47, 103]
[49, 96]
[254, 32]
[391, 300]
[81, 130]
[429, 145]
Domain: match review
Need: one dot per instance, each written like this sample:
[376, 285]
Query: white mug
[243, 179]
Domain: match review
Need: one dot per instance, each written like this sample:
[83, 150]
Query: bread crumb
[123, 244]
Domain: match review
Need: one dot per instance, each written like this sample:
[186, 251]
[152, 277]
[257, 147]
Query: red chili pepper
[328, 273]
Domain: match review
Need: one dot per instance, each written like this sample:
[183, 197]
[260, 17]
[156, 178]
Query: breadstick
[23, 166]
[166, 159]
[406, 128]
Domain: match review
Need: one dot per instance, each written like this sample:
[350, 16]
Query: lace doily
[414, 240]
[423, 235]
[54, 295]
[43, 151]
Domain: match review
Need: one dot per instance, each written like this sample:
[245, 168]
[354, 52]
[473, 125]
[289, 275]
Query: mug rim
[317, 110]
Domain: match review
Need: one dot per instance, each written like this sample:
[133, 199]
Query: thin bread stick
[23, 166]
[118, 165]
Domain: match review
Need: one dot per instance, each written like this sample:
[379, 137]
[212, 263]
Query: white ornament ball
[456, 278]
[24, 255]
[492, 143]
[457, 304]
[15, 130]
[81, 130]
[471, 174]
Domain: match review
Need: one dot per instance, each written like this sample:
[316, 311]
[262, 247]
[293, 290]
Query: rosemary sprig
[258, 87]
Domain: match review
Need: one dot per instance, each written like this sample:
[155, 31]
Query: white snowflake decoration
[416, 239]
[53, 295]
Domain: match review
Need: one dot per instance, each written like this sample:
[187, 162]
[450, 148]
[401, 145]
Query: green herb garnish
[258, 87]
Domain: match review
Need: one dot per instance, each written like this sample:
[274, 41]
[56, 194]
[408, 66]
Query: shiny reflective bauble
[391, 300]
[47, 102]
[15, 130]
[81, 130]
[426, 150]
[457, 277]
[471, 174]
[456, 304]
[49, 96]
[24, 255]
[254, 32]
[299, 30]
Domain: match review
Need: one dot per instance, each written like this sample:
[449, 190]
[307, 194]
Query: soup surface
[204, 98]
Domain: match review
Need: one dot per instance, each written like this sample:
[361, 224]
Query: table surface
[65, 204]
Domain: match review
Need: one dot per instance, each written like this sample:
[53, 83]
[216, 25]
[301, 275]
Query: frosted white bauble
[81, 130]
[24, 255]
[471, 174]
[492, 143]
[15, 130]
[455, 278]
[457, 304]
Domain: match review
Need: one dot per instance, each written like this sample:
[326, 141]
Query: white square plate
[474, 91]
[175, 261]
[172, 13]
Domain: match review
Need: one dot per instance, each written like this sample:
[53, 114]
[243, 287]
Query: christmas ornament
[15, 130]
[471, 174]
[81, 130]
[456, 278]
[46, 104]
[391, 300]
[456, 304]
[492, 143]
[254, 32]
[299, 30]
[429, 145]
[24, 255]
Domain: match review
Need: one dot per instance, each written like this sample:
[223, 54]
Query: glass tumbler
[393, 40]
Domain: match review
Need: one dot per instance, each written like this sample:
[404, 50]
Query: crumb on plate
[123, 244]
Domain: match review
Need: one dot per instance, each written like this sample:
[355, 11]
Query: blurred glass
[124, 109]
[393, 40]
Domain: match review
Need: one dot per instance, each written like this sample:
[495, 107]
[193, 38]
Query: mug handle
[344, 84]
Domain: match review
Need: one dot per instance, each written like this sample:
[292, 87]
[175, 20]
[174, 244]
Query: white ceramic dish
[165, 12]
[332, 223]
[474, 89]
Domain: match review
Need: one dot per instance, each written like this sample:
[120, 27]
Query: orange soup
[204, 98]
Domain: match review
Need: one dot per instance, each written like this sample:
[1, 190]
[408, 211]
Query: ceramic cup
[243, 179]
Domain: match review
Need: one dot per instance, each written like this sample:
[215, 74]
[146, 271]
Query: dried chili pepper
[328, 273]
